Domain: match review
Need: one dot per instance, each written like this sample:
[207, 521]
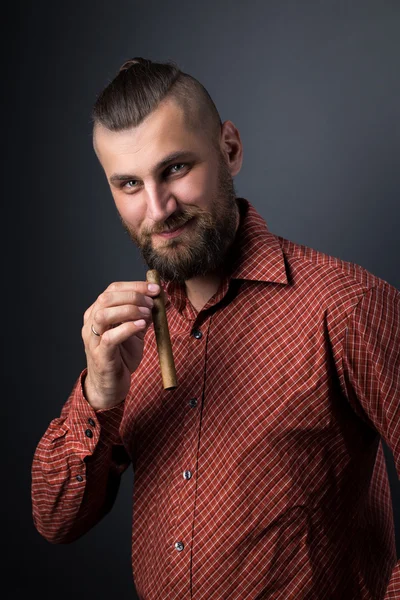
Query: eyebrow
[179, 155]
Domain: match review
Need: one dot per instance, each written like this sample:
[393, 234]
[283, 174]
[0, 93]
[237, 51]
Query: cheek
[131, 210]
[197, 187]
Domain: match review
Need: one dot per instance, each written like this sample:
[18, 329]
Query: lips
[174, 232]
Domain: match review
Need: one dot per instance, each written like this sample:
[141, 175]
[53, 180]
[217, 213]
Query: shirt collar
[256, 252]
[260, 256]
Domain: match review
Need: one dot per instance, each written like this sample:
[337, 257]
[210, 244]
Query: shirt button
[187, 474]
[91, 422]
[193, 402]
[89, 433]
[197, 334]
[79, 477]
[179, 546]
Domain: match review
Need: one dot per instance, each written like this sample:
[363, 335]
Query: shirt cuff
[86, 422]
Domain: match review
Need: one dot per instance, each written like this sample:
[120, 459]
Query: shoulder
[338, 284]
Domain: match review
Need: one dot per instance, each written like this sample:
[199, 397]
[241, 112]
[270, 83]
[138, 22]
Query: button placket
[185, 487]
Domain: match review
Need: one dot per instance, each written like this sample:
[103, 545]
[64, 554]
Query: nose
[161, 204]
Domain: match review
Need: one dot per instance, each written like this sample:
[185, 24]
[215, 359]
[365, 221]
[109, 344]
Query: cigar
[163, 340]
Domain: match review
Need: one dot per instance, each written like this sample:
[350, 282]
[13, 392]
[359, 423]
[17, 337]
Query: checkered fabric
[262, 475]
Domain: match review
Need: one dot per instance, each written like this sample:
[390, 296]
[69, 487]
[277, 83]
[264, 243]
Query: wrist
[97, 400]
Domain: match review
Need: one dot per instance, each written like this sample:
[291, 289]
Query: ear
[231, 147]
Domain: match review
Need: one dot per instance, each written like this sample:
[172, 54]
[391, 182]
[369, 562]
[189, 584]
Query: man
[261, 475]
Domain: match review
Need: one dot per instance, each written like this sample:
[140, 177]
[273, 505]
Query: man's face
[174, 193]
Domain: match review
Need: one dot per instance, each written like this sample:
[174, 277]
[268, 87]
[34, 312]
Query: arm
[78, 462]
[75, 478]
[371, 366]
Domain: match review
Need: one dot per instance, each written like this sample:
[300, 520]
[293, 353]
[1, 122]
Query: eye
[132, 185]
[176, 168]
[128, 185]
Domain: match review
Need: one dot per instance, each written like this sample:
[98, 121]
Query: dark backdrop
[314, 89]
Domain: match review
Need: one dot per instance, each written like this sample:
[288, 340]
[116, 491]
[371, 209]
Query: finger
[119, 298]
[113, 337]
[105, 318]
[140, 287]
[87, 314]
[119, 293]
[137, 286]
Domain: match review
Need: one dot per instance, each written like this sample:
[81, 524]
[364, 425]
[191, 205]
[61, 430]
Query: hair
[141, 85]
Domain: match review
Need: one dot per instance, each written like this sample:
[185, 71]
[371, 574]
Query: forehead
[163, 132]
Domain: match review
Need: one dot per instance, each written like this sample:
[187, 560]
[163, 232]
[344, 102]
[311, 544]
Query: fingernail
[144, 310]
[140, 323]
[153, 287]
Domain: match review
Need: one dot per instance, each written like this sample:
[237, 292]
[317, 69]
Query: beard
[203, 248]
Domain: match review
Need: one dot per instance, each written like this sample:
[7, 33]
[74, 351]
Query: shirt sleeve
[76, 469]
[371, 363]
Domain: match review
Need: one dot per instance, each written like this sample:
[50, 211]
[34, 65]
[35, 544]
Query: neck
[200, 289]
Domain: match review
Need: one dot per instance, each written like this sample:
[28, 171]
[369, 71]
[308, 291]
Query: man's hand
[113, 333]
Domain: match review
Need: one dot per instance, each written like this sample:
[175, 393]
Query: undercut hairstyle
[142, 85]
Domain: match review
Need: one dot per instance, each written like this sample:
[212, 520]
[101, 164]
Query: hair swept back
[141, 85]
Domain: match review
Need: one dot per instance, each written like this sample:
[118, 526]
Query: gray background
[313, 87]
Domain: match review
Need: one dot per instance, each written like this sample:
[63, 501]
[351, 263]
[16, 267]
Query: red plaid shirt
[262, 474]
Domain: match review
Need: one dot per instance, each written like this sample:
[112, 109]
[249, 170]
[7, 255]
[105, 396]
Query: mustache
[173, 222]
